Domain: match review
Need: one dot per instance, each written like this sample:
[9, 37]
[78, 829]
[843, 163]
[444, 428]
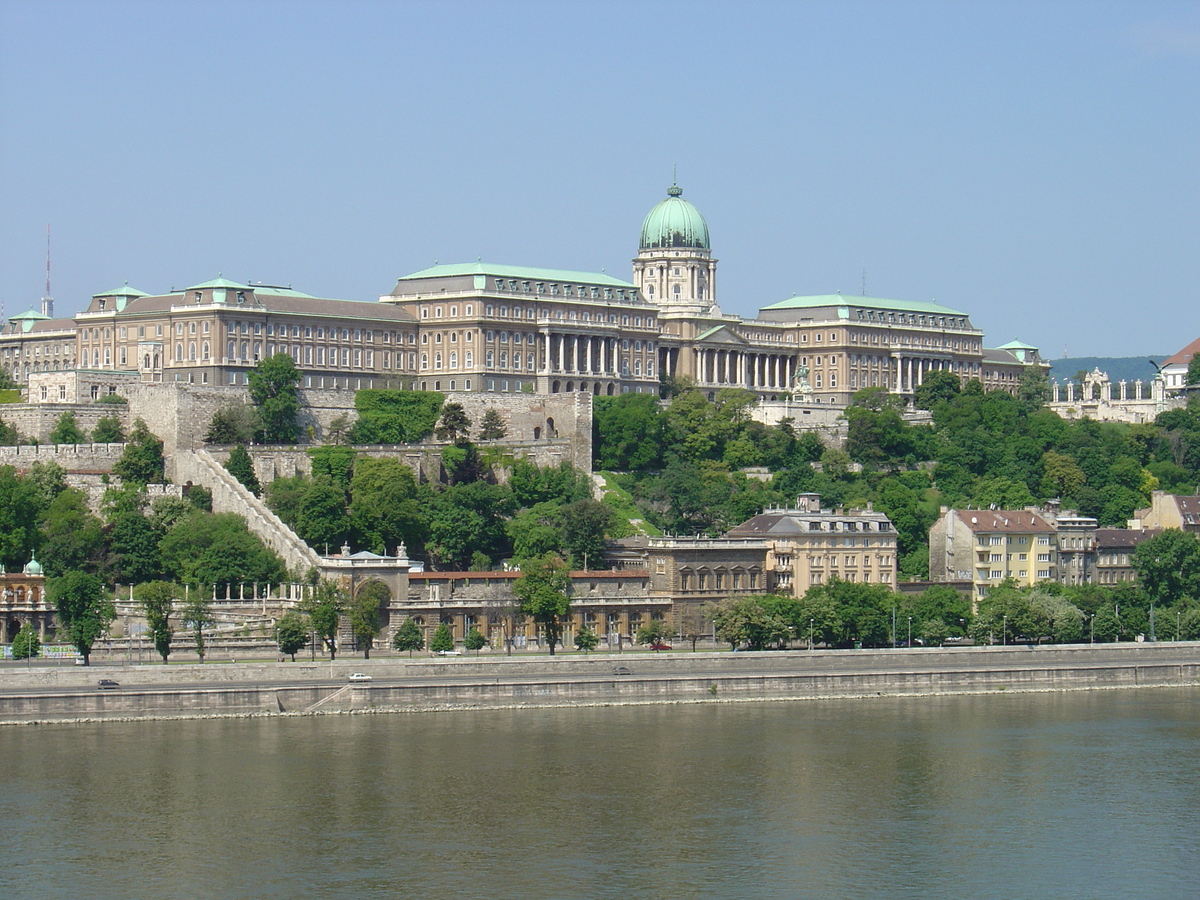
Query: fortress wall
[37, 420]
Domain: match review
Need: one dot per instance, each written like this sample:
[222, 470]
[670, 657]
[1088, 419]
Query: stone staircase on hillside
[230, 495]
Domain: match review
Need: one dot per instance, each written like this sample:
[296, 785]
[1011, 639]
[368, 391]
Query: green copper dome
[674, 223]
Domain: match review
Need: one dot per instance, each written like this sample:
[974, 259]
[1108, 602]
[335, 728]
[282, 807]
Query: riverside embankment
[49, 694]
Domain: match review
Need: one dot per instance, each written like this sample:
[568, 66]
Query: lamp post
[910, 632]
[1092, 636]
[1176, 625]
[1152, 638]
[893, 628]
[810, 634]
[1004, 633]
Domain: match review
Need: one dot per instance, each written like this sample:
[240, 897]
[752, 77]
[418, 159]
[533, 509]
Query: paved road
[574, 669]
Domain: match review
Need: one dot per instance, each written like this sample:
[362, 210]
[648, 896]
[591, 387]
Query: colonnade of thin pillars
[578, 354]
[775, 371]
[737, 367]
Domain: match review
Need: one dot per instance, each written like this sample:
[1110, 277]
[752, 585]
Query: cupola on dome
[674, 223]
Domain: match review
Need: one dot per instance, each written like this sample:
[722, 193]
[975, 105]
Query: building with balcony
[986, 547]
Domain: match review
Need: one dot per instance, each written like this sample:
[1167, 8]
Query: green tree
[408, 637]
[627, 432]
[443, 639]
[67, 431]
[491, 426]
[108, 430]
[72, 538]
[9, 436]
[585, 524]
[26, 644]
[291, 633]
[83, 609]
[338, 431]
[385, 509]
[586, 639]
[133, 548]
[365, 614]
[19, 502]
[48, 480]
[207, 549]
[474, 640]
[321, 518]
[752, 621]
[274, 390]
[324, 608]
[454, 423]
[468, 518]
[197, 615]
[157, 599]
[241, 467]
[655, 631]
[1193, 369]
[1168, 566]
[233, 424]
[543, 591]
[142, 460]
[937, 385]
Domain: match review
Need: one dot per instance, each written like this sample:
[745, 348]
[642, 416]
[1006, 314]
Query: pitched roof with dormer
[1004, 520]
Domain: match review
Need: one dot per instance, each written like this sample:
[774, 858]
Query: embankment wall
[273, 688]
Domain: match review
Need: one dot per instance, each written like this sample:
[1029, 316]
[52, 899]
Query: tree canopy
[274, 389]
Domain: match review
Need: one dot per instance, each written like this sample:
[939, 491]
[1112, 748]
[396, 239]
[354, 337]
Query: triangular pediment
[723, 334]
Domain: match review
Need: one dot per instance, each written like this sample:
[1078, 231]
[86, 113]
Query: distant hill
[1129, 368]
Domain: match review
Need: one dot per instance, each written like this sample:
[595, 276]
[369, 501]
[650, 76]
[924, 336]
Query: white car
[359, 676]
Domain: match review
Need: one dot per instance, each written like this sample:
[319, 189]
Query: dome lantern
[674, 223]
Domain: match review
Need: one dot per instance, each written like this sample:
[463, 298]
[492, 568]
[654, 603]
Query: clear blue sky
[1033, 164]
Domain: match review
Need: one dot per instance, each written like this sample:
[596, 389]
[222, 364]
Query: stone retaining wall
[568, 681]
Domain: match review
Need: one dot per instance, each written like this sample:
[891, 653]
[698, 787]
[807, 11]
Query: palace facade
[479, 327]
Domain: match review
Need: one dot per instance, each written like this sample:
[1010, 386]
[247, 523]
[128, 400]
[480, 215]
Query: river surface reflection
[1036, 795]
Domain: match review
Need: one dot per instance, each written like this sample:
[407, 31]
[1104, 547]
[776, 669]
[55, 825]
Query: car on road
[359, 676]
[659, 645]
[622, 670]
[107, 684]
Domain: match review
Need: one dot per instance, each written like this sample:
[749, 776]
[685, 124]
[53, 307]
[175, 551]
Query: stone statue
[800, 383]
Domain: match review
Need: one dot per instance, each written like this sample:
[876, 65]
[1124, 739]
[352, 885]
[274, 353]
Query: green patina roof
[526, 272]
[1016, 345]
[674, 223]
[819, 300]
[29, 314]
[220, 282]
[125, 291]
[270, 291]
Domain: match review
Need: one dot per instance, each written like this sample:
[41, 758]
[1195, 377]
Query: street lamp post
[1177, 625]
[1152, 638]
[910, 632]
[1092, 636]
[1004, 633]
[810, 634]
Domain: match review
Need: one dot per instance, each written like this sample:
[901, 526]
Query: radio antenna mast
[47, 300]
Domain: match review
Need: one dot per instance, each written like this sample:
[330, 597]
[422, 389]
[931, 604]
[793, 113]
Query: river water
[1084, 795]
